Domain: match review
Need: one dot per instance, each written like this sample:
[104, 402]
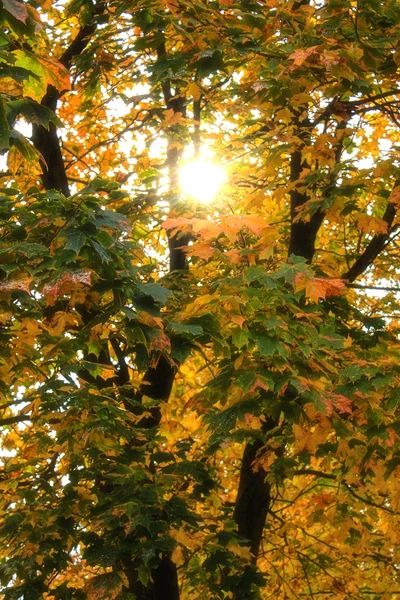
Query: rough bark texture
[160, 378]
[254, 493]
[46, 141]
[253, 500]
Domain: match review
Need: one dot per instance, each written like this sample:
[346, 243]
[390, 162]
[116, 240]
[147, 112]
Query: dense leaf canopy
[199, 400]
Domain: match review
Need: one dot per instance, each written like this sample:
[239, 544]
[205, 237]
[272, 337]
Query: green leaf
[100, 251]
[210, 62]
[45, 72]
[191, 330]
[19, 74]
[266, 345]
[112, 220]
[256, 273]
[33, 113]
[75, 241]
[21, 143]
[240, 337]
[156, 291]
[246, 380]
[29, 249]
[143, 574]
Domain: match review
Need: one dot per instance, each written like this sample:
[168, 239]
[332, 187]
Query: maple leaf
[238, 319]
[369, 223]
[240, 551]
[187, 539]
[317, 288]
[194, 91]
[299, 56]
[324, 499]
[253, 222]
[172, 117]
[337, 401]
[177, 225]
[105, 587]
[62, 321]
[65, 282]
[201, 250]
[44, 72]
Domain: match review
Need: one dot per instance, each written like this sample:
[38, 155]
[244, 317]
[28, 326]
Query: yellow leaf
[240, 551]
[186, 539]
[146, 319]
[177, 555]
[14, 160]
[172, 117]
[194, 91]
[61, 321]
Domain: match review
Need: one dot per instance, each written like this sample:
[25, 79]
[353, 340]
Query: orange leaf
[371, 224]
[300, 56]
[177, 225]
[202, 250]
[238, 319]
[338, 402]
[319, 287]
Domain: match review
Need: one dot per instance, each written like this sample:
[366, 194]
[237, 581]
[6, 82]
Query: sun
[201, 179]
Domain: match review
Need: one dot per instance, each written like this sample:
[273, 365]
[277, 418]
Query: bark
[54, 176]
[253, 500]
[177, 257]
[302, 234]
[46, 141]
[163, 587]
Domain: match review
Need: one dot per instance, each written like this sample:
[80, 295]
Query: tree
[196, 401]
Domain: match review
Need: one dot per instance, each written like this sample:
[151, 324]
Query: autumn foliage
[199, 401]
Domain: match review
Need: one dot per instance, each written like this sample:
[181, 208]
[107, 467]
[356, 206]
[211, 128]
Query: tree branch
[46, 141]
[15, 419]
[376, 245]
[348, 487]
[303, 234]
[384, 288]
[82, 39]
[369, 99]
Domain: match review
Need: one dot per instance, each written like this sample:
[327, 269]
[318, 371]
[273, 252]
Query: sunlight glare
[201, 180]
